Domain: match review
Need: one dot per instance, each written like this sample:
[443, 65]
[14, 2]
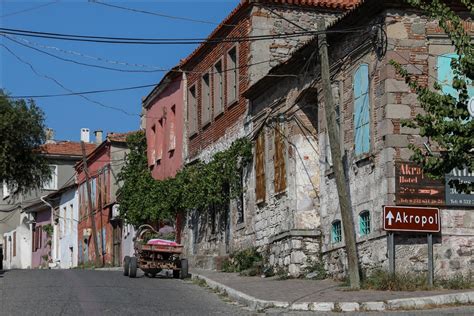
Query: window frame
[218, 87]
[234, 73]
[336, 231]
[54, 179]
[192, 110]
[206, 99]
[365, 223]
[362, 111]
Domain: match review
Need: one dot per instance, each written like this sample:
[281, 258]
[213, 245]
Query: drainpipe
[53, 248]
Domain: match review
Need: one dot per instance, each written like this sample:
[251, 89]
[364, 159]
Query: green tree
[446, 122]
[23, 131]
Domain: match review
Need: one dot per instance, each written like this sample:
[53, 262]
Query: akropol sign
[411, 219]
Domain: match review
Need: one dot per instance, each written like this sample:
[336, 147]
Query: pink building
[164, 123]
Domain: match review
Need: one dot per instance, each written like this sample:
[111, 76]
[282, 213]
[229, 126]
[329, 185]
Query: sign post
[430, 260]
[411, 219]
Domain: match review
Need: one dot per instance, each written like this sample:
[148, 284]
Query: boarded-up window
[362, 110]
[14, 244]
[192, 111]
[205, 100]
[218, 90]
[159, 140]
[279, 160]
[260, 167]
[172, 131]
[232, 76]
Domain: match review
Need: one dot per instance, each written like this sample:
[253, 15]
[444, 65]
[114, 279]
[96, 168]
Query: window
[152, 157]
[6, 190]
[71, 217]
[336, 232]
[63, 223]
[260, 167]
[5, 248]
[232, 76]
[364, 223]
[205, 100]
[361, 110]
[14, 244]
[52, 184]
[218, 90]
[446, 75]
[172, 132]
[160, 140]
[192, 111]
[279, 159]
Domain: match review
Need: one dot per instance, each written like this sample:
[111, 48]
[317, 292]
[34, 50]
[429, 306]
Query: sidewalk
[326, 295]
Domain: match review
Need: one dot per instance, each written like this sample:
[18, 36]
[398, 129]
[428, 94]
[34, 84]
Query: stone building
[304, 222]
[217, 73]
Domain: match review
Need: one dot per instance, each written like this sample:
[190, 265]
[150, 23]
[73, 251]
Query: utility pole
[339, 173]
[91, 211]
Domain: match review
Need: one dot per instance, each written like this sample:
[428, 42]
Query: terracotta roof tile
[331, 4]
[66, 148]
[119, 137]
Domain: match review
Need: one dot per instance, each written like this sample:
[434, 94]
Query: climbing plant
[446, 122]
[196, 186]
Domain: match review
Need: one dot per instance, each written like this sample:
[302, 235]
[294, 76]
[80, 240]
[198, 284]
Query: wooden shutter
[14, 244]
[218, 89]
[260, 167]
[205, 100]
[362, 110]
[279, 161]
[192, 111]
[5, 248]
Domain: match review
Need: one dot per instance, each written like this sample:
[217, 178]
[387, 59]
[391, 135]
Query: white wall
[67, 230]
[22, 259]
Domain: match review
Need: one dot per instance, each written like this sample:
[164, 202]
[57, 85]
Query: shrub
[243, 260]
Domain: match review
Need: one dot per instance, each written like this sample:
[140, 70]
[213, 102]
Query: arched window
[361, 110]
[364, 223]
[336, 232]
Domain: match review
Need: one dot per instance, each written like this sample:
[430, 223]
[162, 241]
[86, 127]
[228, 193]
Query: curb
[395, 304]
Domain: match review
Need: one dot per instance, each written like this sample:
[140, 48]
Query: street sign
[411, 219]
[412, 187]
[455, 198]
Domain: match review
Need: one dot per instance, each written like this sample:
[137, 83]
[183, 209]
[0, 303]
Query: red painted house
[164, 127]
[104, 163]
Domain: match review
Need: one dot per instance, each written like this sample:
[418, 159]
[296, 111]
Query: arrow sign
[411, 219]
[389, 217]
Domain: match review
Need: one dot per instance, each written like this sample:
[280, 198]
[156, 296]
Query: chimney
[85, 137]
[98, 137]
[49, 136]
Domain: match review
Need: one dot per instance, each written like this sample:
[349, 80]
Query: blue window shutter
[446, 75]
[361, 110]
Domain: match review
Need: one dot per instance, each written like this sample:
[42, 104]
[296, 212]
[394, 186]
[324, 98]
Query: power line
[79, 54]
[80, 63]
[163, 41]
[29, 9]
[62, 86]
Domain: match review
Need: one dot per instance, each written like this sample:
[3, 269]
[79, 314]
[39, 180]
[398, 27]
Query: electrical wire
[164, 41]
[29, 9]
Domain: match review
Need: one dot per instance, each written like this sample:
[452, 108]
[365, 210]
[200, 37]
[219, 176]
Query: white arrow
[389, 217]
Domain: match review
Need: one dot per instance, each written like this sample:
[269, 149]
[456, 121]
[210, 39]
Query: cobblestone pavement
[86, 292]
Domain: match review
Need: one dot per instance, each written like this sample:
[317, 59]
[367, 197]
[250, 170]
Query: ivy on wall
[197, 186]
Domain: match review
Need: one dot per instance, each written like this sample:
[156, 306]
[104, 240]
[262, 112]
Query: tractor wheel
[126, 265]
[184, 269]
[133, 267]
[176, 274]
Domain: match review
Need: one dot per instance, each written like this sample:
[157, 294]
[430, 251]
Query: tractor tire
[133, 267]
[126, 265]
[184, 269]
[176, 274]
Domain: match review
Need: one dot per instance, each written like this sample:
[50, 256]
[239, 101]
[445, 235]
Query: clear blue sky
[67, 115]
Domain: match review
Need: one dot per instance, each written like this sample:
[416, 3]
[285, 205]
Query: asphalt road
[88, 292]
